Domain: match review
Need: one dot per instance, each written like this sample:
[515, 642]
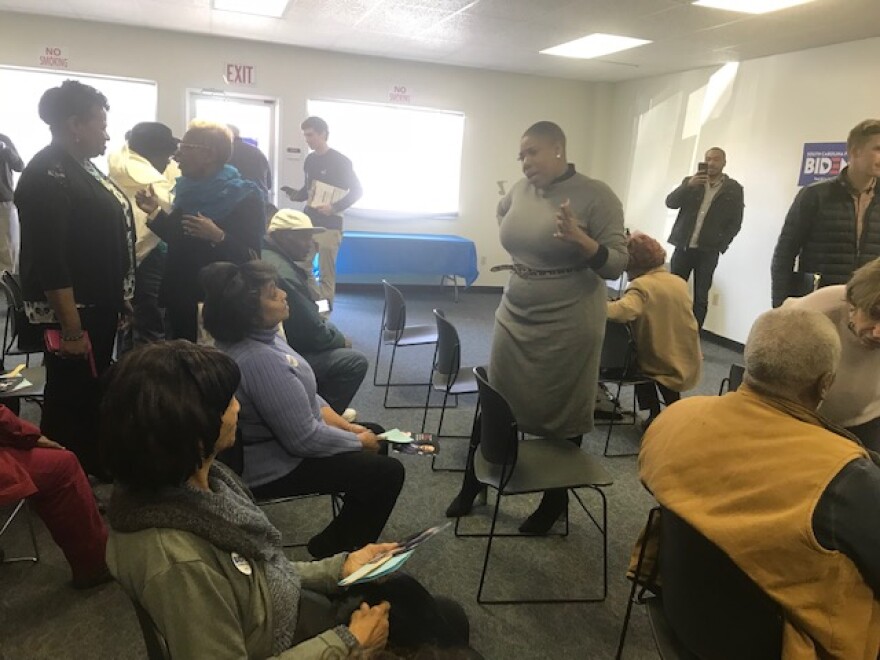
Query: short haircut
[316, 124]
[861, 133]
[645, 254]
[232, 297]
[71, 99]
[723, 153]
[214, 135]
[788, 350]
[547, 130]
[161, 412]
[863, 289]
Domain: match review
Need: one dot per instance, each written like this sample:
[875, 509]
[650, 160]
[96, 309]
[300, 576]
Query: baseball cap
[294, 220]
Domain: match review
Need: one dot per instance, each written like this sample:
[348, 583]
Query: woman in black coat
[77, 261]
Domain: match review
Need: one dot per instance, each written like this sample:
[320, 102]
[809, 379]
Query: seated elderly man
[338, 368]
[659, 308]
[789, 497]
[854, 399]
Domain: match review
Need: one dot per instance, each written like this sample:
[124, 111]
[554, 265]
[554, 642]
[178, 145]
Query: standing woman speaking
[77, 261]
[565, 234]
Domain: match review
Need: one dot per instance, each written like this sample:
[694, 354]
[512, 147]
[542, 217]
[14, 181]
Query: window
[407, 159]
[131, 101]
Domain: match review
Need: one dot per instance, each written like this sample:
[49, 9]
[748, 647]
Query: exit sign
[240, 74]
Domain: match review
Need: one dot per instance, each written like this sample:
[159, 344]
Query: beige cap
[295, 220]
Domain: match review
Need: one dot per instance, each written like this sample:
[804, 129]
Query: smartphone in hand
[702, 168]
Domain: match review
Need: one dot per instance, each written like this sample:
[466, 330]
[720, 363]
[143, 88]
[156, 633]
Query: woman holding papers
[294, 443]
[190, 546]
[564, 232]
[217, 216]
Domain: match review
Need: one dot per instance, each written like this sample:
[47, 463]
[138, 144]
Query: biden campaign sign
[822, 160]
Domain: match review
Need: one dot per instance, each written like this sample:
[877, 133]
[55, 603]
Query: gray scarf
[229, 520]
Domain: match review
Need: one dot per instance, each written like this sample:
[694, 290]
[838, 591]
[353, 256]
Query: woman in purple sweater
[294, 443]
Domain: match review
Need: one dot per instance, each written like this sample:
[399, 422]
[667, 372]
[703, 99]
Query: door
[254, 116]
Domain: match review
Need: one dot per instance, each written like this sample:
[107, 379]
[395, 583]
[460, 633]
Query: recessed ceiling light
[271, 8]
[594, 45]
[751, 6]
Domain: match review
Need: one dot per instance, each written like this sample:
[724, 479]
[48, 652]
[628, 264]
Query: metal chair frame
[445, 372]
[514, 436]
[19, 506]
[14, 315]
[393, 330]
[733, 380]
[618, 367]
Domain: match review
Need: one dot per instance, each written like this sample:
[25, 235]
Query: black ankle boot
[464, 501]
[552, 506]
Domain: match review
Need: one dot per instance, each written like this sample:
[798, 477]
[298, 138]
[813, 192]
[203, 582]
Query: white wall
[771, 108]
[498, 106]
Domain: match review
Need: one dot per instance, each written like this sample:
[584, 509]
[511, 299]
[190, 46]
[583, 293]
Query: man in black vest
[833, 227]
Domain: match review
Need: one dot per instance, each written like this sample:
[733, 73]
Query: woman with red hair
[658, 307]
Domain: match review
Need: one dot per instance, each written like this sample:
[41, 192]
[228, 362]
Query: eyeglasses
[191, 145]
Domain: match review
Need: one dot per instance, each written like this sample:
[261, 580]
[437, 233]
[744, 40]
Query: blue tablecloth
[388, 255]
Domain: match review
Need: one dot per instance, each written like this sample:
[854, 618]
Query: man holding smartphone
[710, 214]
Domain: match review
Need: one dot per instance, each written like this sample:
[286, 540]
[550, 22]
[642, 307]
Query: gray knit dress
[549, 329]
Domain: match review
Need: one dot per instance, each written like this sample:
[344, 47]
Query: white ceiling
[505, 34]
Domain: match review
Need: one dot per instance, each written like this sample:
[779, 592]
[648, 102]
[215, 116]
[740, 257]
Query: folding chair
[16, 320]
[448, 377]
[708, 607]
[20, 505]
[394, 331]
[733, 379]
[513, 466]
[233, 458]
[618, 367]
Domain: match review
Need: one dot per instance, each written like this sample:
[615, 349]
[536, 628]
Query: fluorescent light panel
[594, 45]
[751, 6]
[271, 8]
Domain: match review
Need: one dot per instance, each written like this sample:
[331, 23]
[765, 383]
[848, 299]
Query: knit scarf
[227, 518]
[215, 197]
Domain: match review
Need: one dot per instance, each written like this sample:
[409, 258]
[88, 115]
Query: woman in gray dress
[565, 234]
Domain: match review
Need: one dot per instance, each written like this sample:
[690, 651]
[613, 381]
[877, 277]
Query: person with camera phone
[710, 212]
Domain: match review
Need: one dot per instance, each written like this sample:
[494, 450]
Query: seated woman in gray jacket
[294, 443]
[190, 546]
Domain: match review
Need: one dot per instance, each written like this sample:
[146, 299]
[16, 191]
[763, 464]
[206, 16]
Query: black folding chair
[448, 377]
[394, 331]
[618, 368]
[20, 507]
[233, 458]
[16, 338]
[733, 380]
[513, 466]
[708, 607]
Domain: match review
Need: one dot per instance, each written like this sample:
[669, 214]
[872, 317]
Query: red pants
[66, 504]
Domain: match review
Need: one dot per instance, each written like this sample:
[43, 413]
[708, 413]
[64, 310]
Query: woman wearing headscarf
[217, 216]
[77, 261]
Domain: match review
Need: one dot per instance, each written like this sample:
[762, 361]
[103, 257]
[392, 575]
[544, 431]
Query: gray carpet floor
[42, 617]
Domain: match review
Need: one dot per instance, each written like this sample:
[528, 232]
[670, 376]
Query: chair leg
[614, 410]
[635, 585]
[488, 548]
[428, 397]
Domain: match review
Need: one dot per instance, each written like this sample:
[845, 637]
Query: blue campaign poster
[822, 160]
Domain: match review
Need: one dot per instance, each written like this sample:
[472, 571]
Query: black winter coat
[722, 222]
[820, 229]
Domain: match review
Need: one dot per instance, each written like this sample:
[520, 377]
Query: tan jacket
[204, 605]
[747, 471]
[659, 307]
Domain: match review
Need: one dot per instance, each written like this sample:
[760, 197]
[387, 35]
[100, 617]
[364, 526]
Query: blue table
[373, 256]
